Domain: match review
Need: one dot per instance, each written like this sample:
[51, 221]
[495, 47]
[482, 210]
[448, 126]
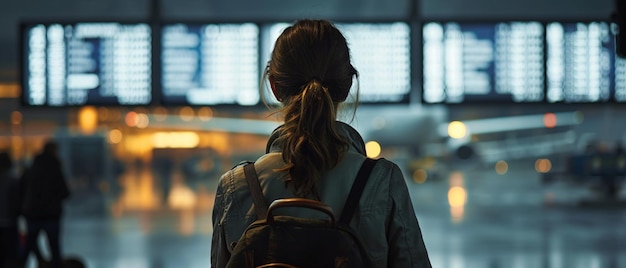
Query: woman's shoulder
[386, 166]
[235, 177]
[387, 175]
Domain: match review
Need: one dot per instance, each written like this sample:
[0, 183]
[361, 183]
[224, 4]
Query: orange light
[115, 136]
[181, 197]
[88, 119]
[205, 114]
[186, 113]
[138, 190]
[132, 119]
[184, 139]
[138, 144]
[457, 214]
[9, 90]
[543, 165]
[549, 120]
[16, 118]
[502, 167]
[420, 176]
[457, 196]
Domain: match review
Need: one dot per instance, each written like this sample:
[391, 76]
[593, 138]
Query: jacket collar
[355, 139]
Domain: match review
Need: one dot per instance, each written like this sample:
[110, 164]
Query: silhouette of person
[43, 190]
[9, 212]
[312, 155]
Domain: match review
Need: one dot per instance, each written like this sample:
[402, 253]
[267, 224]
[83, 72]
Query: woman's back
[384, 221]
[314, 156]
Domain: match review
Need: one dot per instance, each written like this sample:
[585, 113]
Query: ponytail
[311, 143]
[310, 74]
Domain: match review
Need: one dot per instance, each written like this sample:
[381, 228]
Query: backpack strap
[352, 202]
[356, 191]
[260, 204]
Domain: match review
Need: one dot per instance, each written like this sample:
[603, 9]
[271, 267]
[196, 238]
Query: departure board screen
[619, 79]
[210, 64]
[86, 63]
[580, 62]
[483, 62]
[380, 52]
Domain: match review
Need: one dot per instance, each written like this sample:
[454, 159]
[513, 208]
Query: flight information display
[581, 62]
[210, 64]
[483, 62]
[620, 79]
[380, 52]
[86, 63]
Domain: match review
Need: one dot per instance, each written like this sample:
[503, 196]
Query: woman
[314, 156]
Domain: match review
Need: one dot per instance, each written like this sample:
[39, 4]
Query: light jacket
[385, 220]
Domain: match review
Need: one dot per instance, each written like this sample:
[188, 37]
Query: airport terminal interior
[505, 117]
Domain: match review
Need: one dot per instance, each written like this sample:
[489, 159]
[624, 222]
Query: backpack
[287, 241]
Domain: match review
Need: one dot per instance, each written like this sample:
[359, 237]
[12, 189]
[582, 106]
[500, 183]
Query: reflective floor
[470, 217]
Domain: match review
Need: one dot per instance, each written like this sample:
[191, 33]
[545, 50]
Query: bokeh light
[457, 196]
[143, 121]
[420, 176]
[131, 119]
[373, 149]
[502, 167]
[543, 165]
[549, 120]
[205, 114]
[16, 117]
[115, 136]
[186, 113]
[88, 119]
[185, 139]
[457, 130]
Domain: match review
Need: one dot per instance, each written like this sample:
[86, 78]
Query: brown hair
[311, 73]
